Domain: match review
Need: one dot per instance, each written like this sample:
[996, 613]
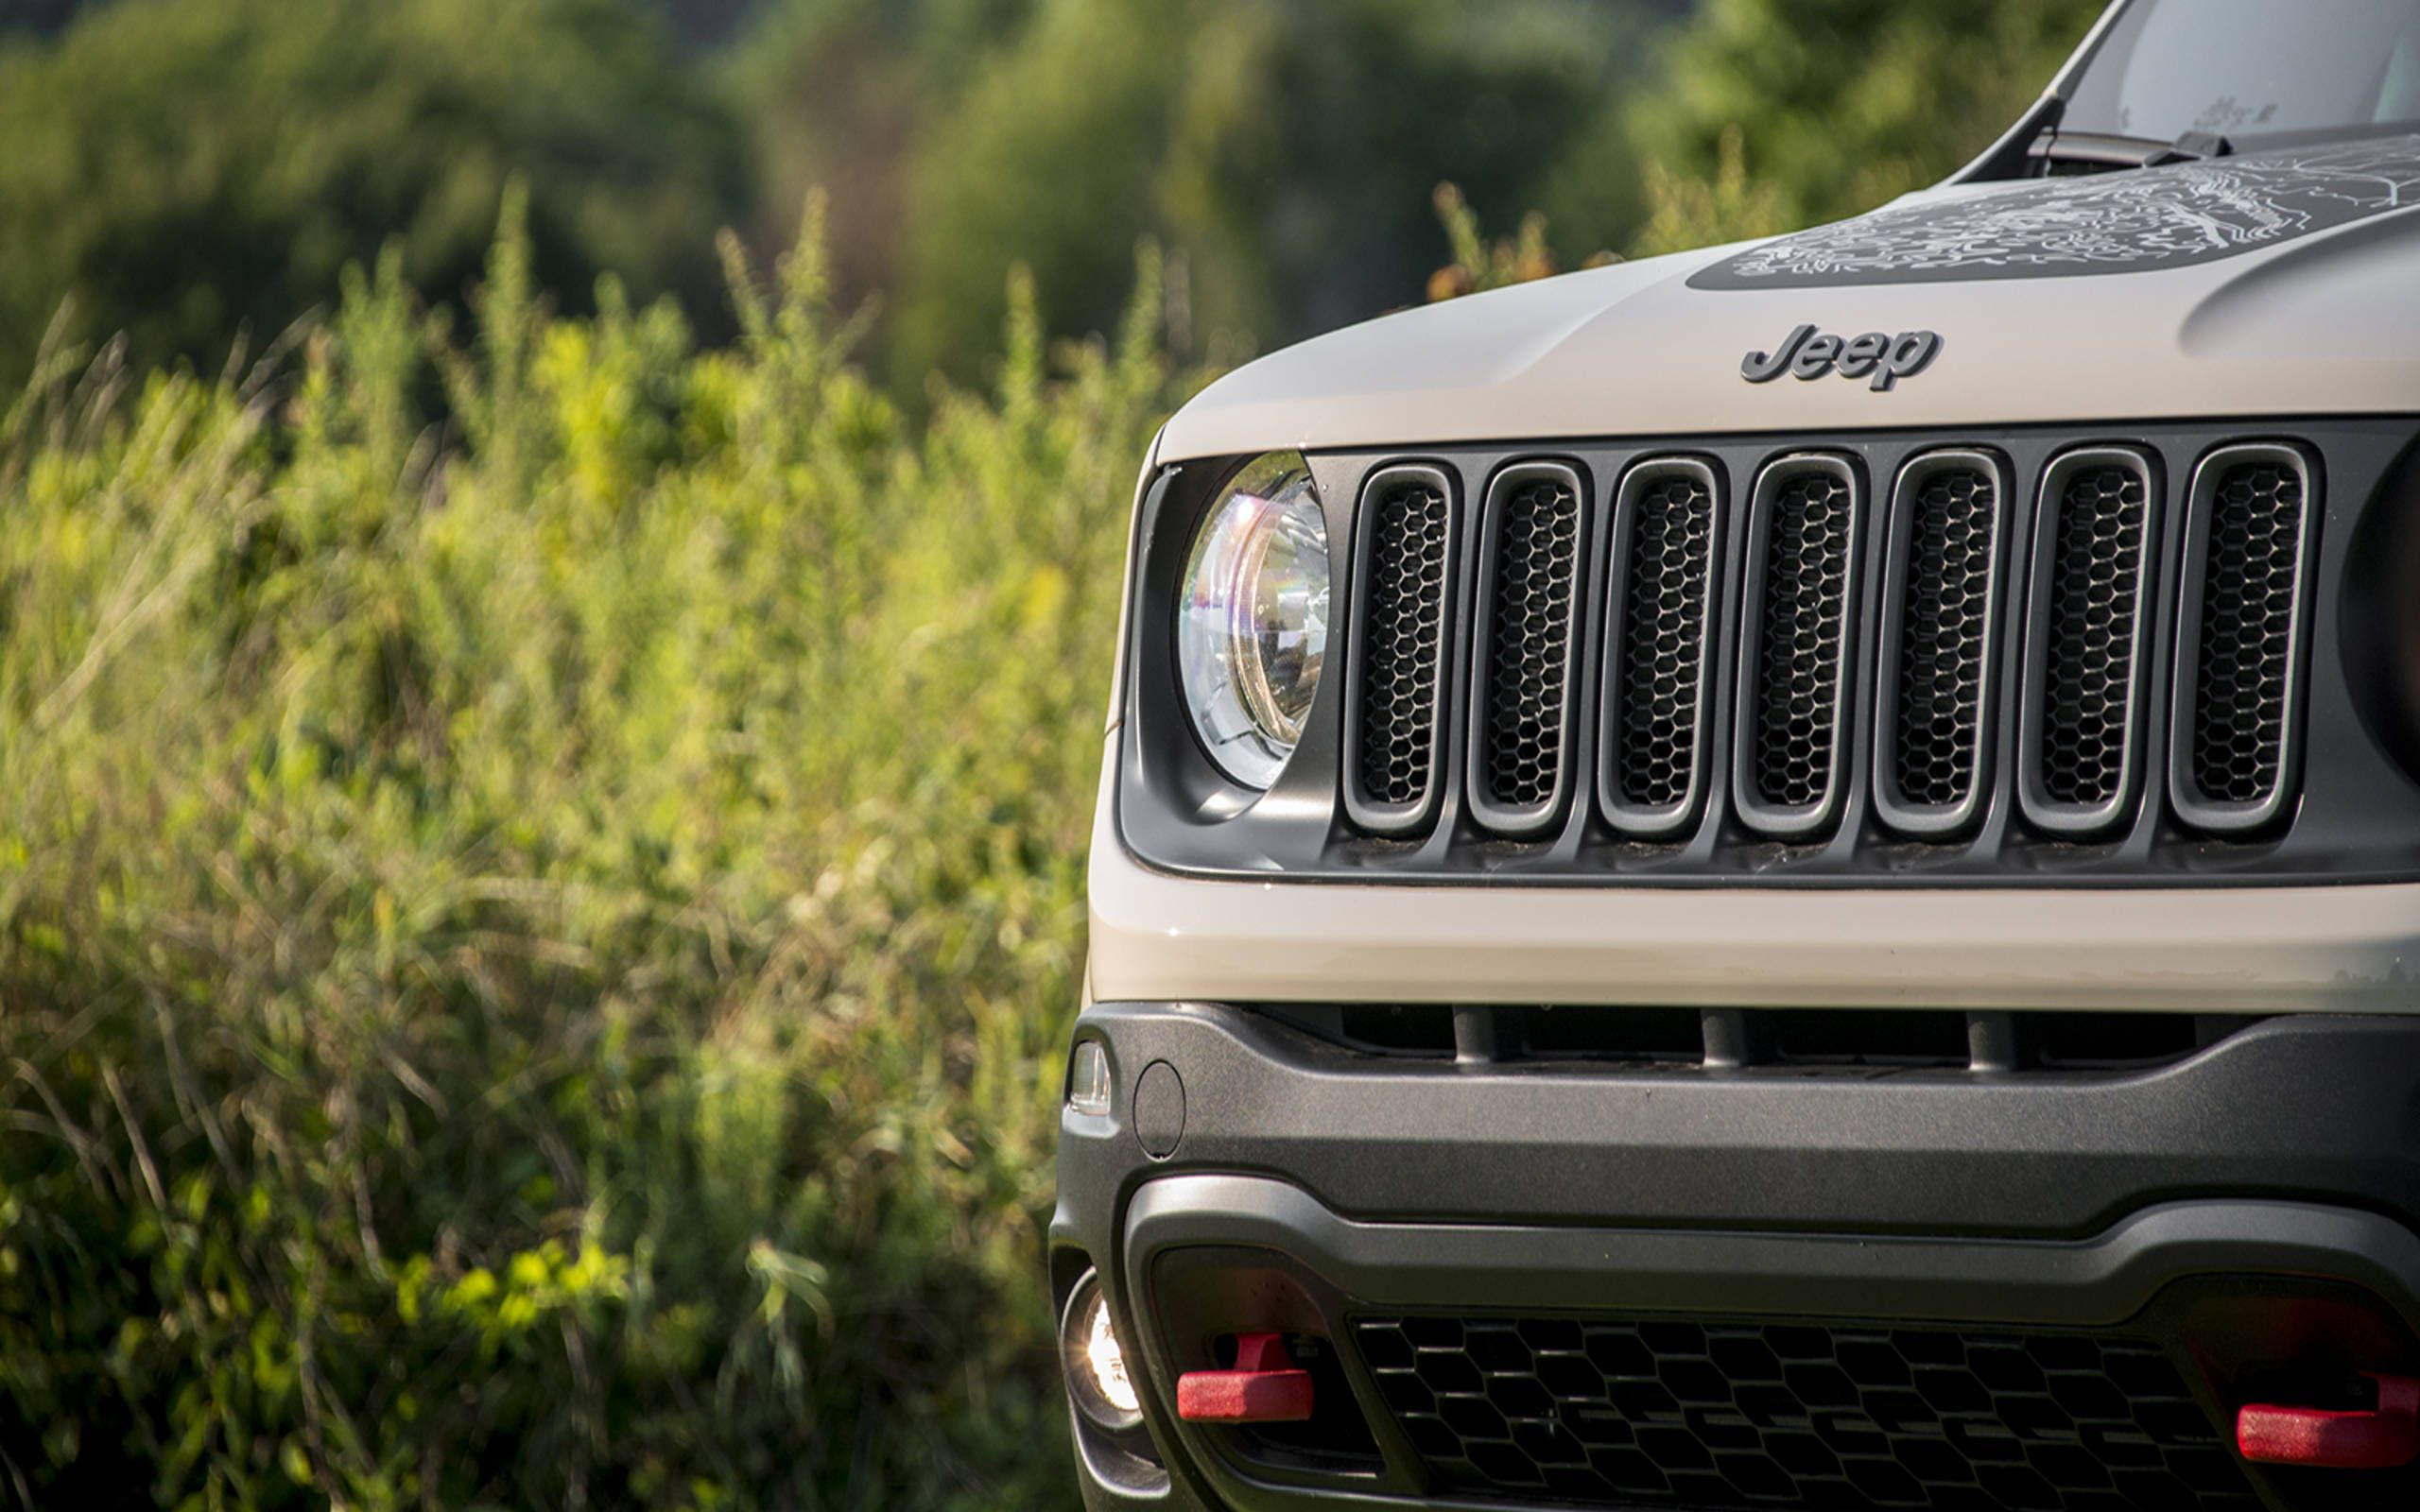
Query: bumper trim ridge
[2097, 1281]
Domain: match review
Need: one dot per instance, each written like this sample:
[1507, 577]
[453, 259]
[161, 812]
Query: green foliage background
[183, 170]
[533, 973]
[541, 826]
[180, 170]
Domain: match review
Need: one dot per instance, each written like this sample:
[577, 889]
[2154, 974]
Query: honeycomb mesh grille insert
[1942, 632]
[1767, 1414]
[1804, 613]
[2096, 591]
[1402, 640]
[1662, 658]
[1528, 641]
[2249, 583]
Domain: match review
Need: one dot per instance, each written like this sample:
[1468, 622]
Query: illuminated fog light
[1088, 1083]
[1106, 1358]
[1094, 1359]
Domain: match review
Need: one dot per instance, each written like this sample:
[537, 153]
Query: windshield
[2252, 70]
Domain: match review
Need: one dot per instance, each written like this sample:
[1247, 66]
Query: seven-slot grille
[1659, 1412]
[1646, 569]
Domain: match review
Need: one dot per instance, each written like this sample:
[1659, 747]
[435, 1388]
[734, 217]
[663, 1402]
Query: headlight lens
[1252, 630]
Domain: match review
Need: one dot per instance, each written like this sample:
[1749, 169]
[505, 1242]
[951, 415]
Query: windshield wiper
[2191, 147]
[2034, 146]
[2108, 150]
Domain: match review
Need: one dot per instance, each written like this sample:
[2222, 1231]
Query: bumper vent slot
[2239, 637]
[1941, 610]
[1624, 1412]
[1528, 617]
[1800, 628]
[1661, 625]
[2090, 616]
[1402, 598]
[1799, 1041]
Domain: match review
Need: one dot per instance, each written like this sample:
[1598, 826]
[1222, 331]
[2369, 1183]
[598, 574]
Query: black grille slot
[1656, 712]
[1534, 573]
[1941, 613]
[2244, 593]
[1797, 646]
[1407, 552]
[1721, 1415]
[2088, 588]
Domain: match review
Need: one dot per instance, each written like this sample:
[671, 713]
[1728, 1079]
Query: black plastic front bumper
[1307, 1186]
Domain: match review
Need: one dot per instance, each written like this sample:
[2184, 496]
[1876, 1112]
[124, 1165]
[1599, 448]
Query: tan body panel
[2212, 950]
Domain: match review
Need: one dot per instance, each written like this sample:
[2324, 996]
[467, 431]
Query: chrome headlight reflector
[1251, 626]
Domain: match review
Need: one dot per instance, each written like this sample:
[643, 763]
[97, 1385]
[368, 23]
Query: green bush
[180, 168]
[535, 956]
[1289, 149]
[1839, 105]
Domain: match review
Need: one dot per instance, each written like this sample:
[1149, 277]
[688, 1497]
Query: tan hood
[2271, 284]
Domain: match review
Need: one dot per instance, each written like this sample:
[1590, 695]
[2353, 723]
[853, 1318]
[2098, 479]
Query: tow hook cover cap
[1159, 1109]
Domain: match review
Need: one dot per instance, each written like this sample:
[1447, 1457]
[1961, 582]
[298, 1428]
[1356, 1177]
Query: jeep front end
[1788, 877]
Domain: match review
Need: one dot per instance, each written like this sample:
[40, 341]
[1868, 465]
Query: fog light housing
[1089, 1088]
[1094, 1360]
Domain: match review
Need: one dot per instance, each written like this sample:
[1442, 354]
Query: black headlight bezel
[1171, 784]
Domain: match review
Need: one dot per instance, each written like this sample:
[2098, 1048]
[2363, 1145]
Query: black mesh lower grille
[1402, 641]
[1529, 629]
[2095, 590]
[1803, 614]
[1662, 657]
[2246, 653]
[1946, 609]
[1769, 1414]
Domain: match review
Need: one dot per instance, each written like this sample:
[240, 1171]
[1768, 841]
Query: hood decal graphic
[2122, 222]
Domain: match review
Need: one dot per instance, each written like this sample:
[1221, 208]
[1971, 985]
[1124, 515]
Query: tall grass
[535, 947]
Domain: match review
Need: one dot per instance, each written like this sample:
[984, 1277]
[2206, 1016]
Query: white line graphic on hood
[2121, 222]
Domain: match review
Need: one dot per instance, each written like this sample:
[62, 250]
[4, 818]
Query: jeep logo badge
[1809, 356]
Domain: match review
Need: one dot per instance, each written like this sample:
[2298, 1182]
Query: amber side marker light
[1264, 1387]
[2326, 1438]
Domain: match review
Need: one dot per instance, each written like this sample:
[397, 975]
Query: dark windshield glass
[2252, 69]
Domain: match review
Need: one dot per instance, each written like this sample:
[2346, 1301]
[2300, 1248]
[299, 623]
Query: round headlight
[1252, 630]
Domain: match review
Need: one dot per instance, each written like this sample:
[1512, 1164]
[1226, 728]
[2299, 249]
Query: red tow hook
[2317, 1437]
[1264, 1387]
